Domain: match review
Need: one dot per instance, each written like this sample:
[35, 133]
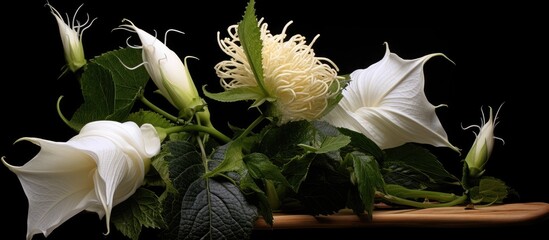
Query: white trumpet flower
[94, 171]
[387, 103]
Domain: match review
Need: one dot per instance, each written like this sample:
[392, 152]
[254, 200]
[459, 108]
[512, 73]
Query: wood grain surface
[443, 217]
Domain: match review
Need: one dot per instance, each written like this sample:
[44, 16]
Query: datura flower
[297, 80]
[168, 72]
[387, 103]
[71, 37]
[481, 149]
[95, 170]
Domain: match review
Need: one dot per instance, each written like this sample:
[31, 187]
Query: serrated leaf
[400, 173]
[214, 210]
[250, 187]
[326, 138]
[109, 89]
[250, 38]
[232, 159]
[142, 209]
[143, 116]
[368, 178]
[490, 190]
[260, 167]
[360, 141]
[414, 160]
[162, 169]
[333, 143]
[296, 170]
[182, 157]
[205, 208]
[325, 189]
[281, 143]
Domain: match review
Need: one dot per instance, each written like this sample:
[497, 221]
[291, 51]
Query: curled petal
[387, 103]
[95, 170]
[57, 182]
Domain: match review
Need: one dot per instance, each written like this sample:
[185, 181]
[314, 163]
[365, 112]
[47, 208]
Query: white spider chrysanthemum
[71, 36]
[298, 81]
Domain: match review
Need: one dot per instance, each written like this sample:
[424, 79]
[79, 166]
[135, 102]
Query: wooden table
[516, 213]
[519, 220]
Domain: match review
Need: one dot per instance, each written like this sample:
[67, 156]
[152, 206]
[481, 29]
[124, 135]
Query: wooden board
[444, 217]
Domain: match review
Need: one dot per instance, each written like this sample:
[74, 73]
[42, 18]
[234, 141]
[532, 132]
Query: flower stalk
[411, 203]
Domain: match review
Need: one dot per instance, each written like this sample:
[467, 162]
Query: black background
[498, 59]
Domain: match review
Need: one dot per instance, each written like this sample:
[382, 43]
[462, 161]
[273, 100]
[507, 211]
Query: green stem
[272, 195]
[400, 191]
[412, 203]
[197, 128]
[202, 153]
[251, 127]
[158, 110]
[209, 129]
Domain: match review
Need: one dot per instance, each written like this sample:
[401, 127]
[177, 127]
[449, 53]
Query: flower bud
[168, 73]
[71, 36]
[482, 147]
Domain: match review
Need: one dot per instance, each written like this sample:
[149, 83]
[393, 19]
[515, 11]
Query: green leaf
[142, 209]
[400, 173]
[308, 154]
[205, 208]
[232, 159]
[328, 138]
[235, 94]
[247, 184]
[360, 141]
[280, 143]
[109, 89]
[260, 167]
[250, 38]
[325, 189]
[296, 170]
[490, 190]
[162, 169]
[333, 143]
[336, 86]
[368, 178]
[415, 167]
[143, 116]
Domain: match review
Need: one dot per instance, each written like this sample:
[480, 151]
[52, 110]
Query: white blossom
[94, 171]
[387, 103]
